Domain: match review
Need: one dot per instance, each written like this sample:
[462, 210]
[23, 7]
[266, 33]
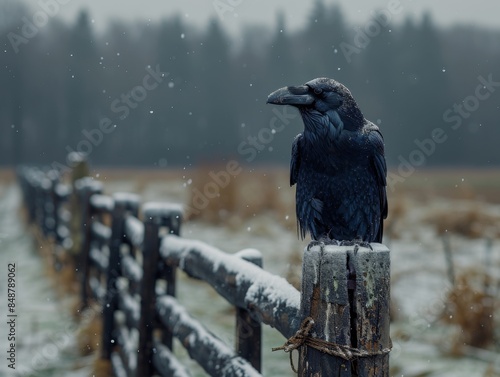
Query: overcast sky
[445, 12]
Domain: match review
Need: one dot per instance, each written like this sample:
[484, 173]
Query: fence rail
[128, 258]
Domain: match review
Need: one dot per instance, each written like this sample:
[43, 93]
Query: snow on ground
[45, 332]
[419, 288]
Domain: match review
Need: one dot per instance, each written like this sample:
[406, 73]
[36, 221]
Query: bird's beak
[291, 95]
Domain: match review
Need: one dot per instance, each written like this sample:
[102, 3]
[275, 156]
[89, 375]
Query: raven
[337, 163]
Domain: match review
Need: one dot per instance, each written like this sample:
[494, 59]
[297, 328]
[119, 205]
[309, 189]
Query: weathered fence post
[169, 273]
[31, 195]
[171, 215]
[25, 182]
[248, 330]
[155, 215]
[86, 187]
[39, 199]
[123, 203]
[51, 205]
[80, 170]
[345, 290]
[46, 205]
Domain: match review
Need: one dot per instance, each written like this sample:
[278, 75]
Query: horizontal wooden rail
[166, 363]
[130, 308]
[131, 269]
[102, 203]
[118, 367]
[210, 352]
[269, 299]
[90, 185]
[98, 291]
[101, 231]
[126, 352]
[134, 231]
[99, 259]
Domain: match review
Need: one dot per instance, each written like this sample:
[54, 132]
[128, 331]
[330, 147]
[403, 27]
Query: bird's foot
[357, 243]
[314, 243]
[321, 242]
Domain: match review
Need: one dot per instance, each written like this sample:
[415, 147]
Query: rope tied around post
[302, 337]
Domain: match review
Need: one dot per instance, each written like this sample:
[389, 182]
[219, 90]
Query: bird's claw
[322, 242]
[357, 243]
[315, 243]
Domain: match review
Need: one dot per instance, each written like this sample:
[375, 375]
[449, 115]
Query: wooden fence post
[156, 216]
[31, 196]
[346, 292]
[86, 188]
[150, 253]
[39, 200]
[52, 204]
[169, 273]
[46, 205]
[114, 271]
[248, 330]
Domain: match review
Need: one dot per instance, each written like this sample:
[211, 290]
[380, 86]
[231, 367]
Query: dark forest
[171, 94]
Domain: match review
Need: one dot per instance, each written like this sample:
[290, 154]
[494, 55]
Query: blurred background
[64, 76]
[161, 96]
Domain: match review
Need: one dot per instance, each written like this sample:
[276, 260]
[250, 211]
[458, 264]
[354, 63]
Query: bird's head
[327, 107]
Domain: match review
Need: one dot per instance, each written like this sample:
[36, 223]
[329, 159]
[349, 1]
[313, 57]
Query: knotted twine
[302, 337]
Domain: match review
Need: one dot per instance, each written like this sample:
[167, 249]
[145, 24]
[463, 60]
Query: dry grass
[210, 201]
[7, 175]
[266, 189]
[471, 222]
[102, 368]
[89, 336]
[492, 371]
[453, 183]
[294, 272]
[244, 196]
[470, 307]
[398, 208]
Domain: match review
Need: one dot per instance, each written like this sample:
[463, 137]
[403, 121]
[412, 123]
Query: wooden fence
[128, 260]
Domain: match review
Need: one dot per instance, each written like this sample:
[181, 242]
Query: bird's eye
[317, 91]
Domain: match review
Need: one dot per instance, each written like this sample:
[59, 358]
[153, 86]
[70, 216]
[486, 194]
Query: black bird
[337, 163]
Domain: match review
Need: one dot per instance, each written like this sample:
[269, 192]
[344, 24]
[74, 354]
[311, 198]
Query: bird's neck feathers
[327, 127]
[352, 117]
[316, 124]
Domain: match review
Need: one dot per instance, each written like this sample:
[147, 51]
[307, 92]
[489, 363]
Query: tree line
[172, 94]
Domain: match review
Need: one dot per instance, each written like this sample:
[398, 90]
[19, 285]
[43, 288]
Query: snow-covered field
[45, 331]
[422, 339]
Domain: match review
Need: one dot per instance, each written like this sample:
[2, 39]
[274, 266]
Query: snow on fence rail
[339, 322]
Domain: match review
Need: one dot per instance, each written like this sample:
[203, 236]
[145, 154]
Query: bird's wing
[380, 169]
[295, 160]
[310, 218]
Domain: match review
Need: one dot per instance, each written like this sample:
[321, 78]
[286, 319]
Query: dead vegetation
[89, 335]
[102, 368]
[492, 371]
[470, 307]
[221, 198]
[398, 208]
[294, 272]
[472, 222]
